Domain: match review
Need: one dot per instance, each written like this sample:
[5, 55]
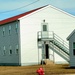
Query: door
[47, 51]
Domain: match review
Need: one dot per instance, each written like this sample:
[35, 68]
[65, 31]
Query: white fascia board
[71, 34]
[49, 6]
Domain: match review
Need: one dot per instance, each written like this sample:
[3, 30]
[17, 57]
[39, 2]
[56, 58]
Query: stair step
[48, 62]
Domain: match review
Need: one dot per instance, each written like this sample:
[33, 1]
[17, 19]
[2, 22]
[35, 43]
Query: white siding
[28, 42]
[59, 22]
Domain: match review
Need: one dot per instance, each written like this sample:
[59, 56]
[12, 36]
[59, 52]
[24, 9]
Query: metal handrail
[65, 49]
[40, 34]
[64, 43]
[59, 51]
[55, 36]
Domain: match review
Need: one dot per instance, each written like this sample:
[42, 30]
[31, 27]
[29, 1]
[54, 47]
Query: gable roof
[19, 16]
[71, 34]
[14, 18]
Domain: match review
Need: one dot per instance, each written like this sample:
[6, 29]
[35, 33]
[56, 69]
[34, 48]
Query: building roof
[71, 34]
[18, 16]
[29, 12]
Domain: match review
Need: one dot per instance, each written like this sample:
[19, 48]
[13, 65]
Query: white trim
[62, 11]
[71, 34]
[19, 44]
[49, 6]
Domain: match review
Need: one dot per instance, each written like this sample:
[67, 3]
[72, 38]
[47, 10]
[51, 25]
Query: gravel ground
[31, 70]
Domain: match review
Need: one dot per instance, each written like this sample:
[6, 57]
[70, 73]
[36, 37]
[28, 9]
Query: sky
[9, 8]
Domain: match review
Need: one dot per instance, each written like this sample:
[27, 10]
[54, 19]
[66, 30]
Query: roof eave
[19, 16]
[70, 34]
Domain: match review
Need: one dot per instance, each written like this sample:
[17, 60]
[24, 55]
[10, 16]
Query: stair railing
[59, 51]
[53, 35]
[56, 39]
[62, 42]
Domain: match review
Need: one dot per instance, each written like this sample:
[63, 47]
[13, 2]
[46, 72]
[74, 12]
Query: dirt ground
[31, 70]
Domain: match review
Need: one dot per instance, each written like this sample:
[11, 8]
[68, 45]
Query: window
[4, 50]
[17, 51]
[73, 48]
[10, 51]
[44, 27]
[9, 29]
[3, 31]
[16, 29]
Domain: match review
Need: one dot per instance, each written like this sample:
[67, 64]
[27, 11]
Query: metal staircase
[55, 43]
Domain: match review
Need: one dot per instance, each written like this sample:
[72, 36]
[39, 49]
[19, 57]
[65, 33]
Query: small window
[9, 29]
[10, 51]
[4, 50]
[73, 45]
[9, 32]
[4, 47]
[16, 29]
[44, 27]
[3, 31]
[17, 51]
[73, 48]
[73, 51]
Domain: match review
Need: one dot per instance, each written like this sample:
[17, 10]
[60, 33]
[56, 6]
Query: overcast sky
[10, 8]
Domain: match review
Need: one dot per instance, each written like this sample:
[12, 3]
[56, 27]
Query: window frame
[16, 28]
[3, 31]
[10, 50]
[4, 50]
[74, 48]
[17, 50]
[44, 27]
[9, 29]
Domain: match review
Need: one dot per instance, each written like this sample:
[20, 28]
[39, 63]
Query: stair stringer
[63, 55]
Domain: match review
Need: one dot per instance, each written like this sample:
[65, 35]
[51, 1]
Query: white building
[71, 39]
[19, 42]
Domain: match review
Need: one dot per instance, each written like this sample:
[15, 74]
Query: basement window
[74, 48]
